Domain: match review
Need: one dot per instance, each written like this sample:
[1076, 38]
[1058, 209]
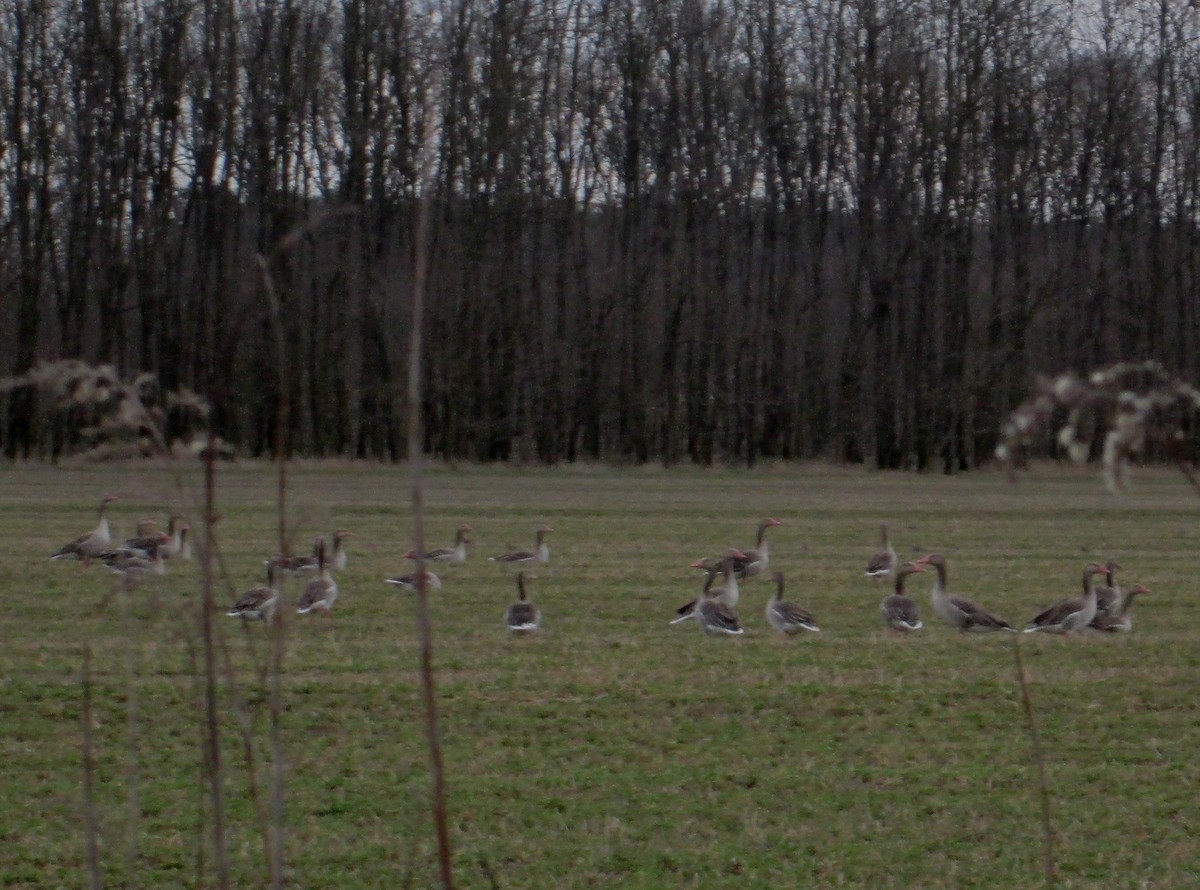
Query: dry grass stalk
[1049, 869]
[90, 821]
[278, 627]
[1134, 405]
[415, 459]
[132, 798]
[212, 738]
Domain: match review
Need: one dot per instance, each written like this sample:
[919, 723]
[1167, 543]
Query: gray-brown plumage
[1073, 614]
[258, 603]
[409, 581]
[884, 560]
[299, 564]
[757, 559]
[1122, 620]
[540, 552]
[321, 593]
[959, 612]
[335, 559]
[727, 593]
[714, 616]
[522, 616]
[455, 555]
[134, 567]
[90, 545]
[788, 618]
[898, 609]
[179, 547]
[1108, 594]
[145, 540]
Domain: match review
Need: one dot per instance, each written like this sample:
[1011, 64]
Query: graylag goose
[788, 618]
[298, 565]
[756, 560]
[715, 617]
[178, 545]
[1122, 620]
[321, 593]
[146, 539]
[522, 616]
[884, 560]
[539, 553]
[145, 543]
[339, 557]
[958, 611]
[898, 609]
[134, 567]
[257, 603]
[1073, 614]
[1108, 595]
[728, 593]
[409, 581]
[688, 610]
[455, 555]
[90, 545]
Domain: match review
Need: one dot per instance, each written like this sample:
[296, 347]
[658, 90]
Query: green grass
[613, 750]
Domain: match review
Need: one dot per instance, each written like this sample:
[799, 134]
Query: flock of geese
[144, 555]
[140, 556]
[1104, 608]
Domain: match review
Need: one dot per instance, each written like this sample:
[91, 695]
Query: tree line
[688, 230]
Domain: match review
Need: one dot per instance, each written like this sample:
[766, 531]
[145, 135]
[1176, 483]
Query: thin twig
[415, 460]
[245, 725]
[131, 736]
[278, 637]
[212, 724]
[91, 823]
[1039, 760]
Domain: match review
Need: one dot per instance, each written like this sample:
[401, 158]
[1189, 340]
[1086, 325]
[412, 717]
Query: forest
[710, 231]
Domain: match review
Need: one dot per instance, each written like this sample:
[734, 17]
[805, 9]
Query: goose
[883, 561]
[185, 543]
[409, 581]
[321, 593]
[540, 552]
[688, 610]
[1073, 614]
[145, 540]
[1122, 621]
[728, 593]
[144, 544]
[298, 565]
[1108, 595]
[134, 567]
[788, 618]
[257, 603]
[754, 561]
[522, 616]
[90, 545]
[455, 555]
[899, 610]
[714, 616]
[338, 558]
[177, 546]
[957, 611]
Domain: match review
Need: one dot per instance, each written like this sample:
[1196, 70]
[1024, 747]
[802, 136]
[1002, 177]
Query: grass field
[612, 750]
